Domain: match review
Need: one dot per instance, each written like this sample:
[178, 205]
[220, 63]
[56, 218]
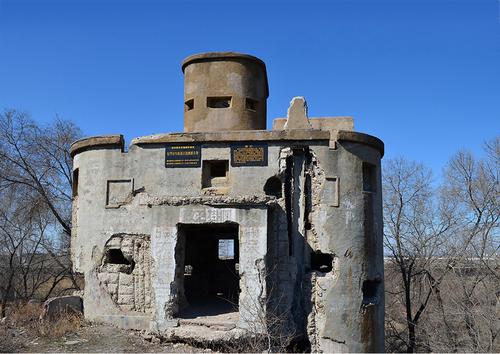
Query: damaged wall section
[125, 272]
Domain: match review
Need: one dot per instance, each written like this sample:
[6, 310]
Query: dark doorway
[211, 274]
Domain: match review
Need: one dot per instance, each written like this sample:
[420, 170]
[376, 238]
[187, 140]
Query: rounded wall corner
[98, 142]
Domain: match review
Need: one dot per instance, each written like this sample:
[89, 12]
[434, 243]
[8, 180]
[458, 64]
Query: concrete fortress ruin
[226, 227]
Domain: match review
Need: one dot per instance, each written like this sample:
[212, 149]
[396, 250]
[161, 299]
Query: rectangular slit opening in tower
[251, 104]
[189, 105]
[75, 183]
[210, 270]
[219, 102]
[369, 177]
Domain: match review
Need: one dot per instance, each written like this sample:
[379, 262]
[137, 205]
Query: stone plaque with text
[248, 155]
[183, 155]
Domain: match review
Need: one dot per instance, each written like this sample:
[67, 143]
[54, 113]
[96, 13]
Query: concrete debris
[56, 305]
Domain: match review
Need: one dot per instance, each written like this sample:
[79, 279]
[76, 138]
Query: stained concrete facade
[228, 227]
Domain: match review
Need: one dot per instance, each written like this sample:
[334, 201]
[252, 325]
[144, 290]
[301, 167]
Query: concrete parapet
[96, 143]
[321, 123]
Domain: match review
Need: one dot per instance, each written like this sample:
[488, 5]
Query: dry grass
[23, 321]
[28, 317]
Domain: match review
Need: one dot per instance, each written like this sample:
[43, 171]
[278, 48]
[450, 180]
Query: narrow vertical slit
[288, 202]
[75, 182]
[307, 191]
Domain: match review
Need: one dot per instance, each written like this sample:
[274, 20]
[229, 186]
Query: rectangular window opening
[75, 183]
[189, 105]
[251, 104]
[214, 173]
[369, 177]
[219, 102]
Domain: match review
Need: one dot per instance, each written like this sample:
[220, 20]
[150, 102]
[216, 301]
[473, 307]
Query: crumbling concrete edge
[97, 142]
[361, 138]
[144, 198]
[230, 136]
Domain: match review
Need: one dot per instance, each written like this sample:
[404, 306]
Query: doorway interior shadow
[210, 277]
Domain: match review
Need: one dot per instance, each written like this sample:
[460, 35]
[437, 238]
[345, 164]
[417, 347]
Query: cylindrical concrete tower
[224, 91]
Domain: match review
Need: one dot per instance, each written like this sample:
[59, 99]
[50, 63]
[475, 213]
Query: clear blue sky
[423, 75]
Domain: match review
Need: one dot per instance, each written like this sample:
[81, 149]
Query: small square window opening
[214, 173]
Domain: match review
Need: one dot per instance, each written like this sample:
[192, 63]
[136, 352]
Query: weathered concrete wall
[319, 212]
[349, 301]
[148, 208]
[224, 91]
[328, 214]
[253, 245]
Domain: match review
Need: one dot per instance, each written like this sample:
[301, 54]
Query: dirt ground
[23, 331]
[94, 338]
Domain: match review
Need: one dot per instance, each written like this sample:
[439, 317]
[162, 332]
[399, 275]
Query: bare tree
[20, 245]
[416, 227]
[443, 246]
[472, 186]
[35, 185]
[39, 159]
[13, 235]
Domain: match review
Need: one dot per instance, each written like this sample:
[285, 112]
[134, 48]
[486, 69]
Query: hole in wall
[251, 104]
[288, 190]
[189, 105]
[369, 177]
[370, 290]
[214, 173]
[219, 102]
[114, 256]
[218, 168]
[75, 182]
[321, 262]
[273, 187]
